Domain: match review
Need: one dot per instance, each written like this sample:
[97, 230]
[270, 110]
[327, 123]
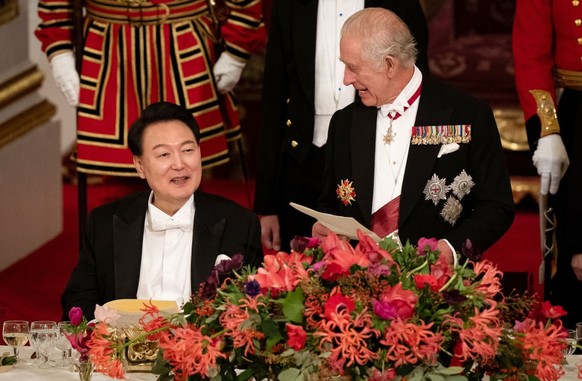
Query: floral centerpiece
[373, 312]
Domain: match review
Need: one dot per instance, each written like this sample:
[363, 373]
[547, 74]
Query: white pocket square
[448, 148]
[220, 258]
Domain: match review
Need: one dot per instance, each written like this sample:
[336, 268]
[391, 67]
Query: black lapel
[363, 138]
[420, 164]
[305, 33]
[208, 234]
[128, 228]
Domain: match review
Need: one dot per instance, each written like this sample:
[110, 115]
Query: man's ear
[138, 166]
[391, 65]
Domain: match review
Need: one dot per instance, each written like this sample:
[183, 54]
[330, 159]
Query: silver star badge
[462, 185]
[452, 210]
[435, 189]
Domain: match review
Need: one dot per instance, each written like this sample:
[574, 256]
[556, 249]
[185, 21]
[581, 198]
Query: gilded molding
[20, 85]
[26, 121]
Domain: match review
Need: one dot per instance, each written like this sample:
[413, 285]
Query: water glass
[15, 334]
[63, 344]
[42, 337]
[572, 341]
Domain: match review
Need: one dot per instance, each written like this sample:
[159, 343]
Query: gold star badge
[346, 192]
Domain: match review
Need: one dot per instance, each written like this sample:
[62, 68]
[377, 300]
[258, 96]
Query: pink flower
[106, 314]
[296, 336]
[427, 244]
[442, 271]
[395, 302]
[370, 249]
[281, 272]
[75, 316]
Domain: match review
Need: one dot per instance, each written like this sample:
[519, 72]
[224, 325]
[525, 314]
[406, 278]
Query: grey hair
[383, 34]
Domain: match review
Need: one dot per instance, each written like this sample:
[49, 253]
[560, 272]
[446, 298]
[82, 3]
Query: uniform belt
[143, 13]
[568, 78]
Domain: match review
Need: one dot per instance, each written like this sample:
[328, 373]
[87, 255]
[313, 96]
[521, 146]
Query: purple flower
[75, 316]
[299, 244]
[252, 288]
[471, 252]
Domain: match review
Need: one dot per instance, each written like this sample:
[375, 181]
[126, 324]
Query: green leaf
[292, 305]
[291, 374]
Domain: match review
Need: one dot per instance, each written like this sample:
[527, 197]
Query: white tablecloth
[24, 371]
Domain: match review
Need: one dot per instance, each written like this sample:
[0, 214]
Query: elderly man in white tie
[160, 244]
[412, 155]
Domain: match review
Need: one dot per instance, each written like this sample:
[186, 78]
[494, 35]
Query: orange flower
[190, 352]
[479, 336]
[346, 338]
[490, 284]
[237, 322]
[544, 347]
[408, 343]
[105, 356]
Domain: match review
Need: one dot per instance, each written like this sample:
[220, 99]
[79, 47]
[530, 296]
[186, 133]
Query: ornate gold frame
[8, 10]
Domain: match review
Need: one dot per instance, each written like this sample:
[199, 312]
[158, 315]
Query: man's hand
[319, 231]
[270, 232]
[577, 265]
[445, 251]
[551, 160]
[227, 72]
[66, 76]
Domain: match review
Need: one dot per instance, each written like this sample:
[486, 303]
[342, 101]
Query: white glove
[551, 160]
[227, 72]
[66, 76]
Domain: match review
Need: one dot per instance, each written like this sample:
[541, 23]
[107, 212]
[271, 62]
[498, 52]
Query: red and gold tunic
[137, 53]
[547, 37]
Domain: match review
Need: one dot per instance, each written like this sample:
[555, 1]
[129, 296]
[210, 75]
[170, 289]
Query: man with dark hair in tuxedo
[160, 244]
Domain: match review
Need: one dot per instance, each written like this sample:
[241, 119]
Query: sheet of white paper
[338, 224]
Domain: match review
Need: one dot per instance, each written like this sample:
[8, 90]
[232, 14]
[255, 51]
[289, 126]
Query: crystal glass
[15, 334]
[571, 339]
[42, 337]
[63, 344]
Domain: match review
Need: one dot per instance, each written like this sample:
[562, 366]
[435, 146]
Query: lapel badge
[452, 210]
[346, 192]
[443, 134]
[462, 184]
[435, 189]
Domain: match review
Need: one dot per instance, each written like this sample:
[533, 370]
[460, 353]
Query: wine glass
[15, 333]
[571, 341]
[42, 336]
[62, 343]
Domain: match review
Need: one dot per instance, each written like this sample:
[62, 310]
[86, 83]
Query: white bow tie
[396, 108]
[184, 223]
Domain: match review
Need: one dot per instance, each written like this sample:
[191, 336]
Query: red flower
[421, 280]
[337, 303]
[296, 336]
[552, 312]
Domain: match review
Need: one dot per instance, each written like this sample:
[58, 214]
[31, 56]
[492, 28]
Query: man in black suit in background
[301, 90]
[160, 244]
[412, 154]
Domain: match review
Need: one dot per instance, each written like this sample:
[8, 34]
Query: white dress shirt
[330, 92]
[390, 159]
[167, 254]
